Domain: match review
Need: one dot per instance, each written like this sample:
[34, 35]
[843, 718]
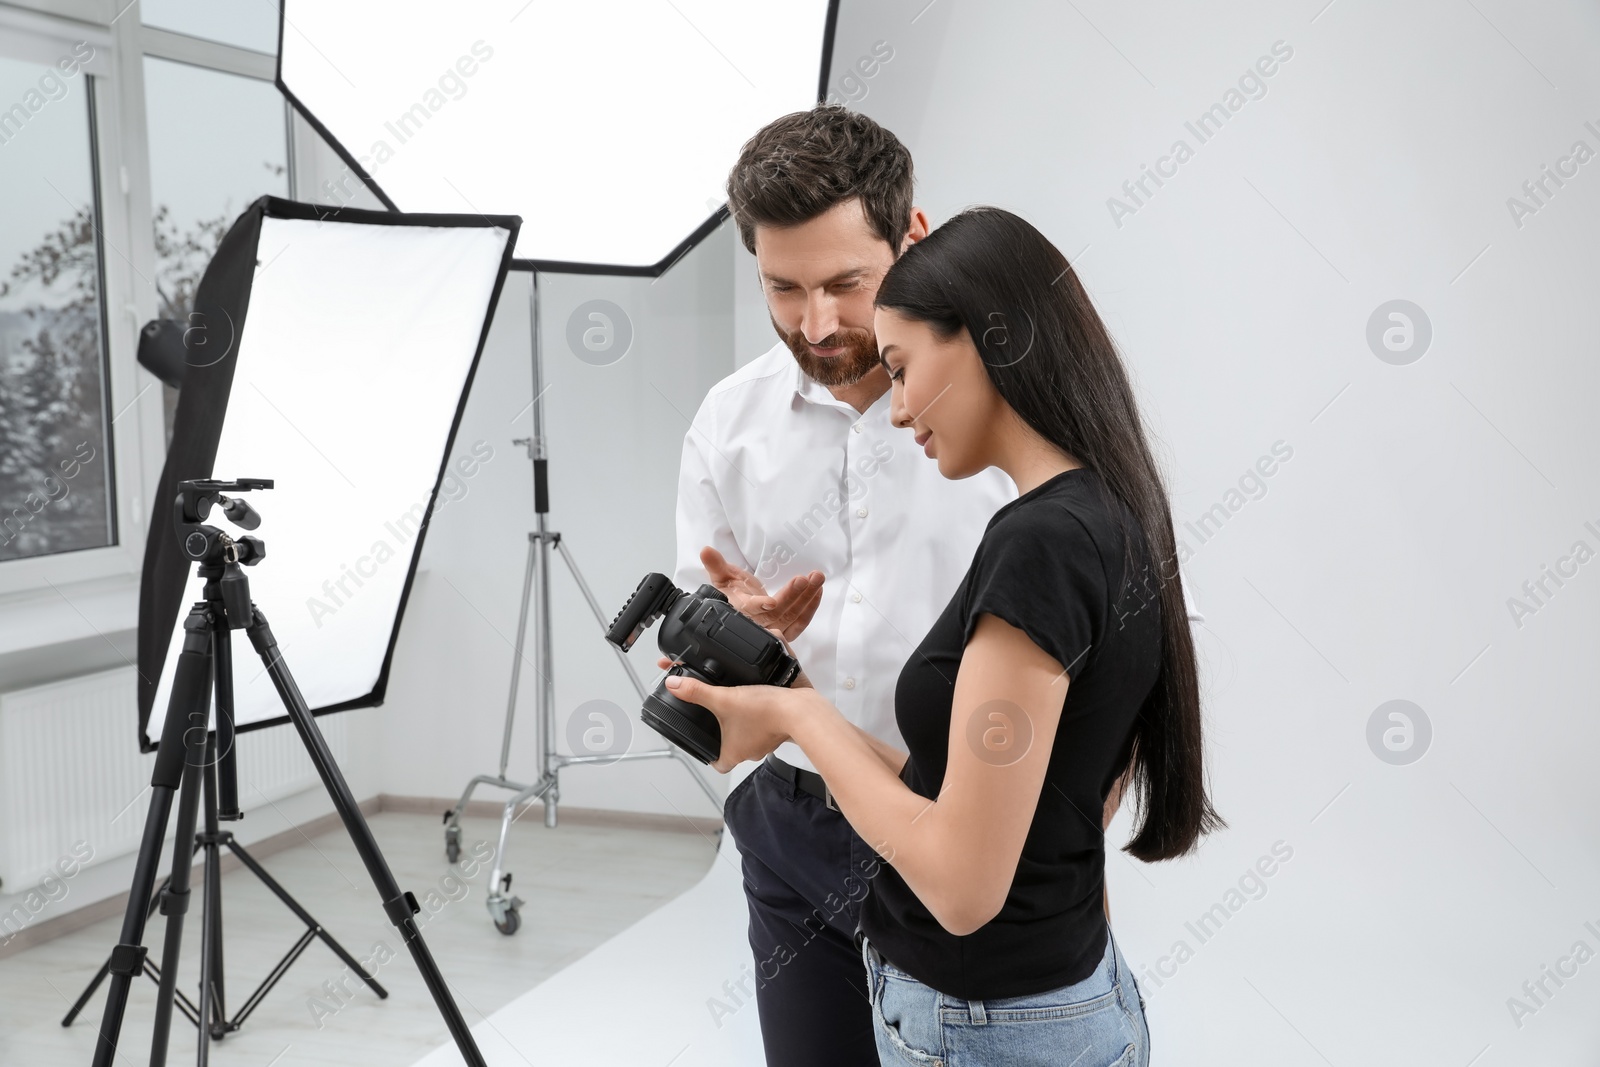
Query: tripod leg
[213, 1003]
[175, 901]
[182, 741]
[401, 907]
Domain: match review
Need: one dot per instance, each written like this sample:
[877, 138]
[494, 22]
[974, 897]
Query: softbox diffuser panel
[332, 354]
[609, 126]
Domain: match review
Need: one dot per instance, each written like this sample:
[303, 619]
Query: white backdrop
[1412, 492]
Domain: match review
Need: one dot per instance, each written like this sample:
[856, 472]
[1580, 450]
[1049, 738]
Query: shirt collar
[812, 391]
[806, 387]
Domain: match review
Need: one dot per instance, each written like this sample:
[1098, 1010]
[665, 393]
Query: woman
[1063, 660]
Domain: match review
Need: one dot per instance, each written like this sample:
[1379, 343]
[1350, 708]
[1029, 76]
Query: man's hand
[789, 611]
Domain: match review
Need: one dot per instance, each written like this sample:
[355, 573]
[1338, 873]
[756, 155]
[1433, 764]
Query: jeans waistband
[1111, 955]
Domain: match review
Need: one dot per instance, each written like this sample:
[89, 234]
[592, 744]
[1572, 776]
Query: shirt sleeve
[702, 518]
[1040, 571]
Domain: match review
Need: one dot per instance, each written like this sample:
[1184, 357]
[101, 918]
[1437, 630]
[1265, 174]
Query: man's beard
[860, 355]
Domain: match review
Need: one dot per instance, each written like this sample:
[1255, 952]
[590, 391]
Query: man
[794, 481]
[799, 500]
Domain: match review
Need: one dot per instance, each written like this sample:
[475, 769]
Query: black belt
[810, 781]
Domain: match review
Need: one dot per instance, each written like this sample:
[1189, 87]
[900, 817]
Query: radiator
[71, 773]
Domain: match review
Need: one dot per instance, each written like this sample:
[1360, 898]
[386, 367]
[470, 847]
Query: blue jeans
[1098, 1022]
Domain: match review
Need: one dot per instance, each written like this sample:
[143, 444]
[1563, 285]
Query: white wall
[1418, 499]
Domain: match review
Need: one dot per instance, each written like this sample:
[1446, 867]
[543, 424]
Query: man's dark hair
[799, 166]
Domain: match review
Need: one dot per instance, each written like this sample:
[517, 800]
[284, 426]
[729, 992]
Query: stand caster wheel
[503, 908]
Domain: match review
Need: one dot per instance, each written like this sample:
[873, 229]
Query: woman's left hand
[754, 718]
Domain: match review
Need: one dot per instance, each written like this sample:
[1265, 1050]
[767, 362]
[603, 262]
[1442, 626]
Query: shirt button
[849, 683]
[861, 512]
[855, 598]
[856, 427]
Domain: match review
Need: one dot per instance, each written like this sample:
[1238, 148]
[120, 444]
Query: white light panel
[608, 126]
[351, 367]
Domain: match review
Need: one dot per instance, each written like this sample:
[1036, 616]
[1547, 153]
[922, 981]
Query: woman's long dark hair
[1049, 356]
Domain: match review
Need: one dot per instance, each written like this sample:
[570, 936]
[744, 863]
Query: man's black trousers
[806, 873]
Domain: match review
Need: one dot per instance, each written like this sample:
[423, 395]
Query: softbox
[609, 125]
[329, 350]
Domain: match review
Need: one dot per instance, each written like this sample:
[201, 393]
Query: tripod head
[207, 544]
[219, 554]
[227, 595]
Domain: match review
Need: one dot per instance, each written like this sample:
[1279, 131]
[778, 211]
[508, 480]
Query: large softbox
[609, 126]
[330, 350]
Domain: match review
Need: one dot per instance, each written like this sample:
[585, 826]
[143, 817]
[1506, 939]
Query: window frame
[136, 438]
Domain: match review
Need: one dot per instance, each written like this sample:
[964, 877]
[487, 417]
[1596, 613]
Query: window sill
[71, 629]
[50, 634]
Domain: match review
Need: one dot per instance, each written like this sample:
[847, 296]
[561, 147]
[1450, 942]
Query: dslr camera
[711, 640]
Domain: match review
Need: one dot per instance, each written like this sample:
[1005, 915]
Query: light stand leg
[545, 664]
[208, 845]
[182, 735]
[105, 968]
[536, 600]
[633, 676]
[401, 907]
[502, 907]
[314, 930]
[516, 659]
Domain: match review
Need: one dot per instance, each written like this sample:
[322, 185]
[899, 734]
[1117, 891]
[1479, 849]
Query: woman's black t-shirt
[1051, 564]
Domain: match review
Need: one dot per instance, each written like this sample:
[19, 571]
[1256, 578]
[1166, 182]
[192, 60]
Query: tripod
[181, 764]
[211, 840]
[503, 907]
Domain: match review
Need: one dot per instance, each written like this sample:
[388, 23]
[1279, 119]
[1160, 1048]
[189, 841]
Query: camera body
[712, 641]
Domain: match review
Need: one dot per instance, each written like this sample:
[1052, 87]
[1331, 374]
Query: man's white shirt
[782, 478]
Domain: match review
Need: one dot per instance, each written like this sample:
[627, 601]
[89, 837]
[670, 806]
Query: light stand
[503, 907]
[211, 840]
[181, 763]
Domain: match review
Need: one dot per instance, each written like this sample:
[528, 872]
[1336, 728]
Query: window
[56, 483]
[249, 24]
[217, 142]
[121, 173]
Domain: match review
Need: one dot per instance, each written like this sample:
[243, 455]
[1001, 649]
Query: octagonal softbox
[331, 351]
[608, 126]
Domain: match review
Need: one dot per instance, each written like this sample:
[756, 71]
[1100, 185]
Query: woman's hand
[755, 719]
[800, 680]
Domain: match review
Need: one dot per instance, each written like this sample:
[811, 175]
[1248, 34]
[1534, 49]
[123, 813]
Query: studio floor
[582, 884]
